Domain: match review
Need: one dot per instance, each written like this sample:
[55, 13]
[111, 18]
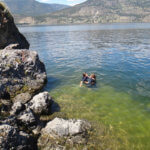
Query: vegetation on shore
[94, 11]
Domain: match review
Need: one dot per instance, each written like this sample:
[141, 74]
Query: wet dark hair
[94, 76]
[84, 74]
[94, 81]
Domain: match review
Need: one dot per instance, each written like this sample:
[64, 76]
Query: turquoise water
[119, 54]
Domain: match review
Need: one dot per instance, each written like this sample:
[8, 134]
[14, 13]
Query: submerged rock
[9, 34]
[21, 71]
[67, 131]
[10, 138]
[40, 103]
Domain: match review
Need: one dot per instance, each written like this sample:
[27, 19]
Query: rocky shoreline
[22, 76]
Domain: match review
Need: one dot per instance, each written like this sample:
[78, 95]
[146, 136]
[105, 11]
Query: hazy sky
[68, 2]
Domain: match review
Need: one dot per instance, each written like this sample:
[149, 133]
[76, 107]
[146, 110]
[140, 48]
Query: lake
[119, 55]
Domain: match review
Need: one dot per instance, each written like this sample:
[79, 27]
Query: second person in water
[88, 80]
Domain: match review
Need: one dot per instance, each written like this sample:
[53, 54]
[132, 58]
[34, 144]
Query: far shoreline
[113, 23]
[85, 27]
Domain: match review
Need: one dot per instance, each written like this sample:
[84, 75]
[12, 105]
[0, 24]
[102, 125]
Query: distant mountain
[100, 11]
[32, 7]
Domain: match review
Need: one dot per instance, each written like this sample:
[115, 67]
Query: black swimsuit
[84, 79]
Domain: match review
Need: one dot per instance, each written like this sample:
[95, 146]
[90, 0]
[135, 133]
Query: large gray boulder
[9, 34]
[12, 139]
[67, 131]
[40, 103]
[21, 71]
[63, 128]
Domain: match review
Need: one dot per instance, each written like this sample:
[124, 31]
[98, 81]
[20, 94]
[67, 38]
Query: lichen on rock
[21, 71]
[40, 103]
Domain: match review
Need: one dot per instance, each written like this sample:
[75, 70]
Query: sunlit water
[119, 54]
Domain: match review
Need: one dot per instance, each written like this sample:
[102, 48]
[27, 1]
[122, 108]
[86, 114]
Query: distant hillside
[100, 11]
[32, 7]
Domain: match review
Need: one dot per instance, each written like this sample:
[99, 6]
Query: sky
[67, 2]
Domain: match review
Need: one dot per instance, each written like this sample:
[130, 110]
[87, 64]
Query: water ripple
[119, 53]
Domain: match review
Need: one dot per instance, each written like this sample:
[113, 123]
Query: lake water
[119, 54]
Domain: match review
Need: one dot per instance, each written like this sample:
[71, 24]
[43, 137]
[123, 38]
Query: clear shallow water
[119, 54]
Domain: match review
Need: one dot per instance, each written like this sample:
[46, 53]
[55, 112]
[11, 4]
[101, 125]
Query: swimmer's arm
[81, 83]
[86, 82]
